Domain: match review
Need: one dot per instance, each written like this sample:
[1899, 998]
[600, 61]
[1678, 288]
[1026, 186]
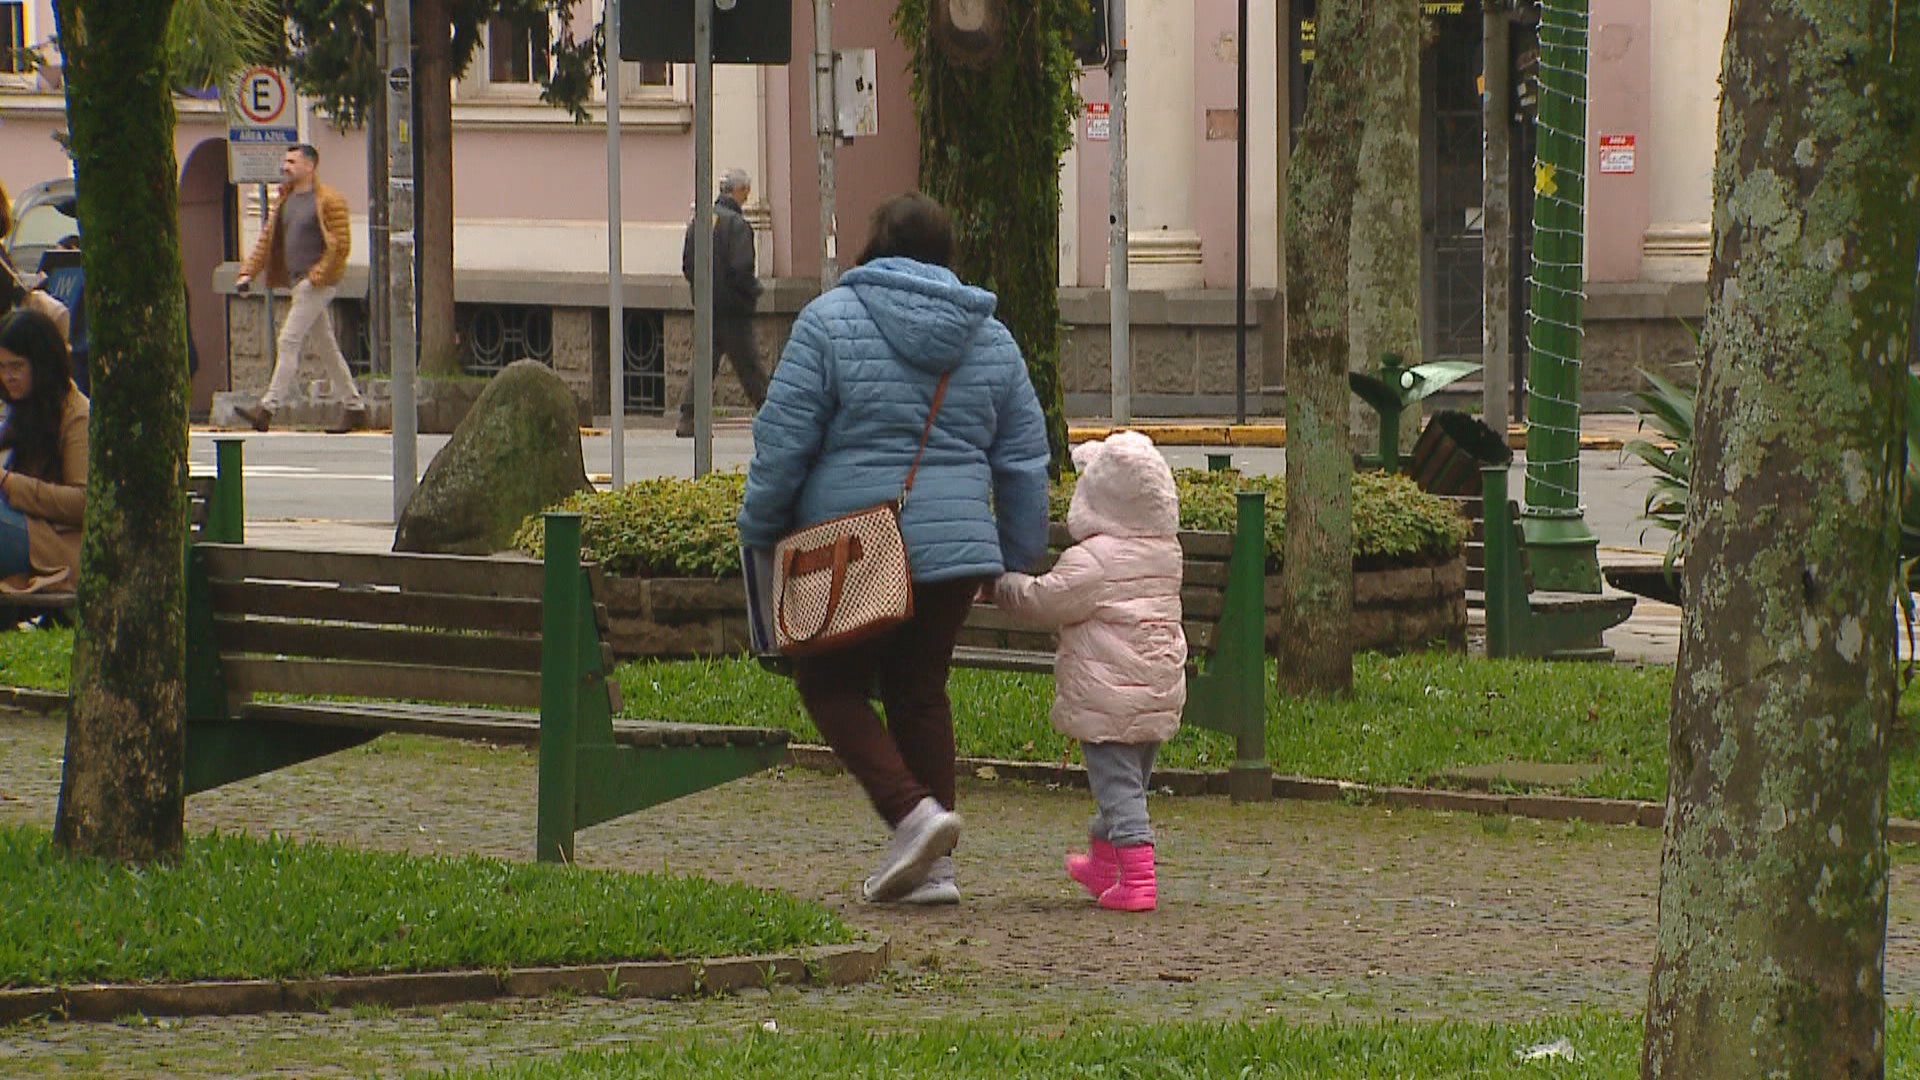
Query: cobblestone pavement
[1306, 910]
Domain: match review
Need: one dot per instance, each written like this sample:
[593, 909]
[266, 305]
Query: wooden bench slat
[346, 678]
[459, 575]
[341, 641]
[376, 606]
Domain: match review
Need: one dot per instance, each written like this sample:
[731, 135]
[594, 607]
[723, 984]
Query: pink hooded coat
[1114, 597]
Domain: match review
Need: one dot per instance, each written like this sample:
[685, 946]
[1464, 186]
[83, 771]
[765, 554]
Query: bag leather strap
[939, 395]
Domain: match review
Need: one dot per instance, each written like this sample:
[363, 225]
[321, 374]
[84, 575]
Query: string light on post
[1562, 550]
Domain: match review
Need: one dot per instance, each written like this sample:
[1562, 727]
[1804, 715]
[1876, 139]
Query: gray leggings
[1119, 774]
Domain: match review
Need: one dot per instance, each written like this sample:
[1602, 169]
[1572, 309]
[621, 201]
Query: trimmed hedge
[674, 527]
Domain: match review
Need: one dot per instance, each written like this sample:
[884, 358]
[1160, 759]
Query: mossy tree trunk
[1383, 265]
[433, 217]
[121, 793]
[1773, 883]
[1316, 577]
[991, 137]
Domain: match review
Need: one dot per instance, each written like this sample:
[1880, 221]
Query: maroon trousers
[910, 755]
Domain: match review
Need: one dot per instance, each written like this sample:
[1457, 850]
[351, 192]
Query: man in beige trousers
[305, 245]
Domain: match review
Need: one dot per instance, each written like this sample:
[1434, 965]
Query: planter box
[1395, 609]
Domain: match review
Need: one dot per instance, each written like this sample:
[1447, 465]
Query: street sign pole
[702, 237]
[400, 248]
[616, 269]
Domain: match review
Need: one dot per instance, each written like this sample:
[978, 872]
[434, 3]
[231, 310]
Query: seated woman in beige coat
[43, 457]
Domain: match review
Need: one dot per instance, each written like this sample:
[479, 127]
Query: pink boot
[1096, 870]
[1136, 889]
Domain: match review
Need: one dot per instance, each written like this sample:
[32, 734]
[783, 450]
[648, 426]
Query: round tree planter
[1395, 609]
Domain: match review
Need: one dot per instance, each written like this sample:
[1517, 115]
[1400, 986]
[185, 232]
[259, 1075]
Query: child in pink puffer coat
[1120, 678]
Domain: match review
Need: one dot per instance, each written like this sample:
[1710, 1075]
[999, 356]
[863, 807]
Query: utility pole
[1120, 313]
[702, 237]
[401, 339]
[826, 123]
[616, 268]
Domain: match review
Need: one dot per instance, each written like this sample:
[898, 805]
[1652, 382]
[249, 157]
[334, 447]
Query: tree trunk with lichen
[121, 788]
[1316, 575]
[1383, 266]
[433, 114]
[1773, 883]
[992, 129]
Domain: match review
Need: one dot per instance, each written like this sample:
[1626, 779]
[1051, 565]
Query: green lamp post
[1390, 390]
[1562, 551]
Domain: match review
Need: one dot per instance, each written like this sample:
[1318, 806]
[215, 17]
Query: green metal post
[1501, 573]
[1562, 550]
[1219, 462]
[1251, 776]
[1391, 411]
[561, 608]
[227, 512]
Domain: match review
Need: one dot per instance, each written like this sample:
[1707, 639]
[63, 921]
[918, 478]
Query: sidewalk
[1598, 431]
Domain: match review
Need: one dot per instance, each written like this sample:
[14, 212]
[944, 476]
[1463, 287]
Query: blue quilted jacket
[850, 396]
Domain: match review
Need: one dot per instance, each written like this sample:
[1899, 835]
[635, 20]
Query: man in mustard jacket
[304, 246]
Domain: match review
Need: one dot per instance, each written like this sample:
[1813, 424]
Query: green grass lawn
[241, 907]
[1586, 1045]
[1409, 716]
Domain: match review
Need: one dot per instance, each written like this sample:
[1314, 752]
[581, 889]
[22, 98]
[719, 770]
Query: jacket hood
[1125, 489]
[927, 315]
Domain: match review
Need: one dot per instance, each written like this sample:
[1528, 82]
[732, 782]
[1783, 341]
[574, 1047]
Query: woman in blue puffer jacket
[838, 432]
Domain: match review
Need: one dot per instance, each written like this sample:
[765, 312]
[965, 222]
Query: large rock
[516, 453]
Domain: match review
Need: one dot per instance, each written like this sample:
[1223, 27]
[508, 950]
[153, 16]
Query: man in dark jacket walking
[736, 291]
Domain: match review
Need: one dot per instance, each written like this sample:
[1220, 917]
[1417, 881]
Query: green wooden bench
[1462, 459]
[1223, 600]
[292, 655]
[1522, 620]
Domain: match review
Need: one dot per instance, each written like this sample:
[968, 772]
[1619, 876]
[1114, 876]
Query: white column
[1262, 127]
[739, 141]
[1679, 150]
[1163, 247]
[1069, 252]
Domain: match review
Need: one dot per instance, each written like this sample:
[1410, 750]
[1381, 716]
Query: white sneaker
[939, 888]
[927, 833]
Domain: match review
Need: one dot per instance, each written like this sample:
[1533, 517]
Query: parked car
[43, 215]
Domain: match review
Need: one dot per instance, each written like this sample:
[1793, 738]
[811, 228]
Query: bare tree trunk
[1383, 268]
[433, 209]
[1316, 577]
[121, 787]
[1773, 884]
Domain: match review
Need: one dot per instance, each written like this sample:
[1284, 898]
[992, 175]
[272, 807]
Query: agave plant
[1668, 409]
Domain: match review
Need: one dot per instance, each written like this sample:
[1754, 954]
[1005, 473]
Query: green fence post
[1219, 462]
[1245, 652]
[1502, 570]
[560, 610]
[227, 511]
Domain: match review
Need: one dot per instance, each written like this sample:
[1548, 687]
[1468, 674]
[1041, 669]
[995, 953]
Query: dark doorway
[206, 240]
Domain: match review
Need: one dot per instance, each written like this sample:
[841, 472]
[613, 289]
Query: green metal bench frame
[1514, 626]
[589, 771]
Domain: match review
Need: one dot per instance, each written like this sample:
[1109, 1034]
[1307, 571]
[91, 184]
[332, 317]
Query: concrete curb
[1597, 811]
[1269, 435]
[831, 965]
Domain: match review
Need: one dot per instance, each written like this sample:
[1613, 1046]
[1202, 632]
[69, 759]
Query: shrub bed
[674, 527]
